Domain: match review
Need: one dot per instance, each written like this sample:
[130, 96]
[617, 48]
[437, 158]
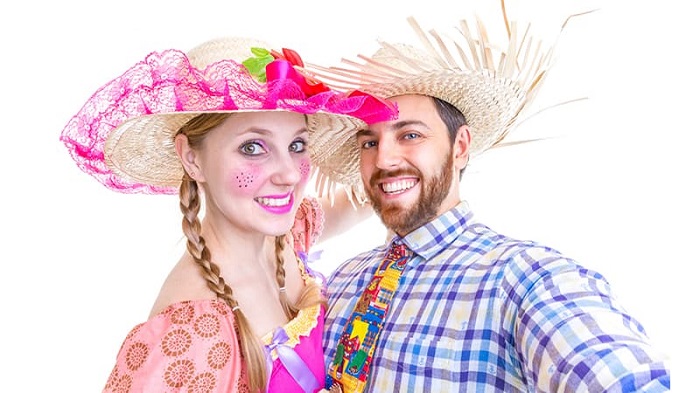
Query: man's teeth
[398, 186]
[274, 201]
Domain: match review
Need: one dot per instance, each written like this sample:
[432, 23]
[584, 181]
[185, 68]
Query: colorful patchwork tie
[350, 366]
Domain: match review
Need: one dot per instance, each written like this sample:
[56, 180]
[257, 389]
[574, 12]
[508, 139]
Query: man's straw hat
[491, 84]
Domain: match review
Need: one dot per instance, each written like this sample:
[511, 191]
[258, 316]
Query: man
[449, 305]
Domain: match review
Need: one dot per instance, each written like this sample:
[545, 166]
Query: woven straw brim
[489, 104]
[142, 150]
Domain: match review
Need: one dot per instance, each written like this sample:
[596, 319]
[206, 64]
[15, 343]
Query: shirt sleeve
[308, 224]
[190, 346]
[571, 332]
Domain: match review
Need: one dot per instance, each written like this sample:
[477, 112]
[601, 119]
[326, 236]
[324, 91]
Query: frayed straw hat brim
[492, 85]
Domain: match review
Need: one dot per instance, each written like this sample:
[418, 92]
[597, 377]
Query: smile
[399, 186]
[274, 202]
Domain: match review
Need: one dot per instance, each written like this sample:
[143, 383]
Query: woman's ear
[460, 150]
[187, 157]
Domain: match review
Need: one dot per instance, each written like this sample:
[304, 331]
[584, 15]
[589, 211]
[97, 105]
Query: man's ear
[188, 157]
[460, 150]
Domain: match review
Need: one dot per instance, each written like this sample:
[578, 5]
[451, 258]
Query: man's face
[408, 165]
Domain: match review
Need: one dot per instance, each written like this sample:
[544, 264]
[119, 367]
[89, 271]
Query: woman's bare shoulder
[183, 283]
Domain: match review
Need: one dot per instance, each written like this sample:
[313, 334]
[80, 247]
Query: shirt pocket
[422, 356]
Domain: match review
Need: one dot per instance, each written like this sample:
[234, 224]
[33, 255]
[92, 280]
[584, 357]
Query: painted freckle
[244, 179]
[305, 169]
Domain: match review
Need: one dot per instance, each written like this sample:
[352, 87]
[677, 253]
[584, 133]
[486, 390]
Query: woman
[241, 128]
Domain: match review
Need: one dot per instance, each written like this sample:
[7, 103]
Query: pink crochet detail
[308, 224]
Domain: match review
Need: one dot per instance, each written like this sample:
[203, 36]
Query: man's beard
[404, 220]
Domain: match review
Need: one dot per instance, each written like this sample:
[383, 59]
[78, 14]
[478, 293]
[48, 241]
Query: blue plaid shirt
[477, 311]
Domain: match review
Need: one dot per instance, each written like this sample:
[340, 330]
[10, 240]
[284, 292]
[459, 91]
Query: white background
[613, 188]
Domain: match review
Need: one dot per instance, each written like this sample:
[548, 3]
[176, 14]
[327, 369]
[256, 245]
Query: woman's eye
[252, 148]
[411, 135]
[298, 146]
[367, 144]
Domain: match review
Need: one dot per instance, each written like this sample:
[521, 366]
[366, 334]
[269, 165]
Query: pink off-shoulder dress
[192, 346]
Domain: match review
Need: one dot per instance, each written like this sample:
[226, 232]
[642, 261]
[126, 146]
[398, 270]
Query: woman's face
[254, 169]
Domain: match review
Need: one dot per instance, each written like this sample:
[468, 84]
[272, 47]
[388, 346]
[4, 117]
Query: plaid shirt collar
[438, 234]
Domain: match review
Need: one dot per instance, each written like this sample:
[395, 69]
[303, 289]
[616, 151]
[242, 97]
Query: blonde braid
[310, 295]
[196, 246]
[251, 348]
[289, 309]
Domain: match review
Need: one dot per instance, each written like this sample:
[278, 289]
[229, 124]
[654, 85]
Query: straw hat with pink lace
[124, 135]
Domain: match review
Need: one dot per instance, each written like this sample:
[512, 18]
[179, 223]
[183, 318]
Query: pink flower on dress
[179, 373]
[176, 342]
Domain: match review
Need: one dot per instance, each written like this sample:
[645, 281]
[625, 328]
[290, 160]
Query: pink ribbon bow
[291, 361]
[283, 69]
